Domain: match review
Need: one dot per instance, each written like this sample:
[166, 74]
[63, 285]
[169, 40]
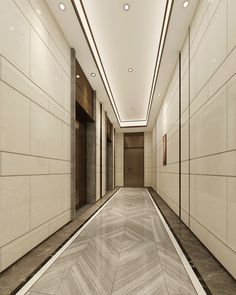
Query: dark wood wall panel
[81, 164]
[84, 92]
[109, 130]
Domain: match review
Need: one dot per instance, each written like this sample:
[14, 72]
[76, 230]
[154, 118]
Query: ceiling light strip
[85, 24]
[160, 51]
[133, 124]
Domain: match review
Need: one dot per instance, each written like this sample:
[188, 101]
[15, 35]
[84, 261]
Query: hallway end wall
[119, 159]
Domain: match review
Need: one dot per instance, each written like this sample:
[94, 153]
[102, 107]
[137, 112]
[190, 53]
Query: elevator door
[81, 165]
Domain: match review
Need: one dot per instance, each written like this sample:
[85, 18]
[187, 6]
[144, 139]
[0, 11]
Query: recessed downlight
[185, 4]
[158, 94]
[93, 74]
[77, 76]
[126, 7]
[130, 70]
[62, 6]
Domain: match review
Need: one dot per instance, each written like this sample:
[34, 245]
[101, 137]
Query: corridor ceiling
[132, 47]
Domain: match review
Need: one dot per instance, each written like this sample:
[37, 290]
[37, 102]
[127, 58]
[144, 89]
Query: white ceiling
[125, 39]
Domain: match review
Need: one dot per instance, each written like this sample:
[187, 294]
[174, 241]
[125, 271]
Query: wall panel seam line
[35, 174]
[29, 78]
[51, 52]
[209, 22]
[212, 233]
[35, 156]
[37, 227]
[30, 208]
[194, 17]
[189, 133]
[209, 79]
[42, 107]
[212, 96]
[213, 154]
[22, 12]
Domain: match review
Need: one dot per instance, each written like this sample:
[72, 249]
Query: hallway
[125, 249]
[117, 147]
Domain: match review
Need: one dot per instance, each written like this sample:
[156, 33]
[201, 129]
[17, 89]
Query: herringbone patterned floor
[124, 250]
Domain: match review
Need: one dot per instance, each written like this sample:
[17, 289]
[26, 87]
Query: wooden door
[134, 159]
[134, 167]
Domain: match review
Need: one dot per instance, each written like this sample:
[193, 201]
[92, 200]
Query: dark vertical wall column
[91, 156]
[114, 157]
[189, 99]
[101, 150]
[73, 139]
[180, 135]
[109, 155]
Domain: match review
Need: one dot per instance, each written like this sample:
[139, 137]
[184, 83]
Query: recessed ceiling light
[77, 76]
[130, 70]
[93, 74]
[126, 7]
[62, 6]
[185, 4]
[158, 94]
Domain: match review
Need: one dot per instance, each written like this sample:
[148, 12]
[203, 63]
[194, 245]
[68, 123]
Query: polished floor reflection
[125, 249]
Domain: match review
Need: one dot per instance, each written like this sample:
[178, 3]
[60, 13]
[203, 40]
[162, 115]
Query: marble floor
[125, 249]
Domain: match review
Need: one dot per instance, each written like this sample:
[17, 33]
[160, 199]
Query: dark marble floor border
[212, 275]
[17, 275]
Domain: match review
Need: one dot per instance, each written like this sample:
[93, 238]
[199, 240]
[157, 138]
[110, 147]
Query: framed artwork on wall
[164, 139]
